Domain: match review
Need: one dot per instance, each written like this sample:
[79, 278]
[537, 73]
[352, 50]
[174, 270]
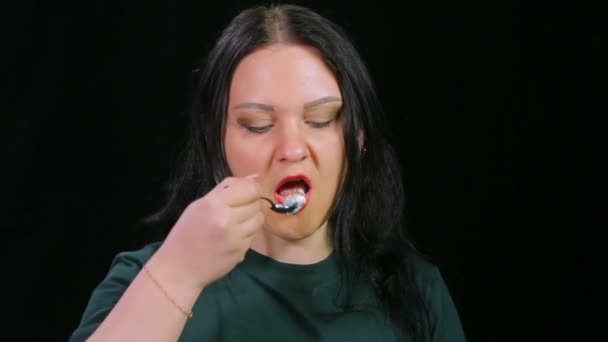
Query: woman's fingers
[253, 225]
[236, 192]
[245, 212]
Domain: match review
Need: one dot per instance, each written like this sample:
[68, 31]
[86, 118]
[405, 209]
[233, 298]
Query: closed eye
[322, 124]
[258, 129]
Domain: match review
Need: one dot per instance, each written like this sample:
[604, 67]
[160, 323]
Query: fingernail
[253, 175]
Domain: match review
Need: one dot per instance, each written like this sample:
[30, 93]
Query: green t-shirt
[265, 300]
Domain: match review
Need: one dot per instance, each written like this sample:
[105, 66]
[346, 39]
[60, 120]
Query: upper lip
[293, 178]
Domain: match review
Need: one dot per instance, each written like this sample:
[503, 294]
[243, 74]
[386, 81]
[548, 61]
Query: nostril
[293, 153]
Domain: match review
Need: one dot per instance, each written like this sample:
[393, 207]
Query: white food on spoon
[296, 199]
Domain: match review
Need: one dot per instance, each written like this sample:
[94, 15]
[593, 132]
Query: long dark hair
[367, 224]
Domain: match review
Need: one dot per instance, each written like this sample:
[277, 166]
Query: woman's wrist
[177, 284]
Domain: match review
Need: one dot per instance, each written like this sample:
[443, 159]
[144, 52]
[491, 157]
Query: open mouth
[293, 191]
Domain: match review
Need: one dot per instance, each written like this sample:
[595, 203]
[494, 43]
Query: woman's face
[283, 124]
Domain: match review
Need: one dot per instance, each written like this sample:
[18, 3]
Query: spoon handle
[275, 208]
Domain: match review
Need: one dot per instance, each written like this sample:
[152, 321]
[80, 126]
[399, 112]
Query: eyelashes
[257, 129]
[323, 124]
[266, 128]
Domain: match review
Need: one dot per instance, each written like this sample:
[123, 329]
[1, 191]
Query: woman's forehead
[282, 75]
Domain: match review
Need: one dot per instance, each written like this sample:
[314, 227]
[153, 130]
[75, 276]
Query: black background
[493, 111]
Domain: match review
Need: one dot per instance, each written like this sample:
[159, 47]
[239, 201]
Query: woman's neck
[308, 250]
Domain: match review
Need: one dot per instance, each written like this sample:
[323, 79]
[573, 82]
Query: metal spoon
[280, 208]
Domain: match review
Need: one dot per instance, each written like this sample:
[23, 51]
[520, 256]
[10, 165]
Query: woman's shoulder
[124, 267]
[445, 317]
[425, 270]
[138, 255]
[429, 278]
[127, 263]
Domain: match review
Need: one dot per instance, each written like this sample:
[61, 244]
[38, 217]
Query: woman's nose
[291, 144]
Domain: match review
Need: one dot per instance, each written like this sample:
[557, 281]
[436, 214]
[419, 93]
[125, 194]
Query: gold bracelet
[188, 314]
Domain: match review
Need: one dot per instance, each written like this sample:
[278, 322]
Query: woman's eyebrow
[269, 108]
[321, 101]
[255, 105]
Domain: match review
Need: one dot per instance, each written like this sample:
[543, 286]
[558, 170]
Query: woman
[285, 112]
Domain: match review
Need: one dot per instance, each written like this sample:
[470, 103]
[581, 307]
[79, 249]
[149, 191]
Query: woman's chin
[293, 228]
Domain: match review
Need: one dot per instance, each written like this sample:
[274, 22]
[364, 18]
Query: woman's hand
[214, 232]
